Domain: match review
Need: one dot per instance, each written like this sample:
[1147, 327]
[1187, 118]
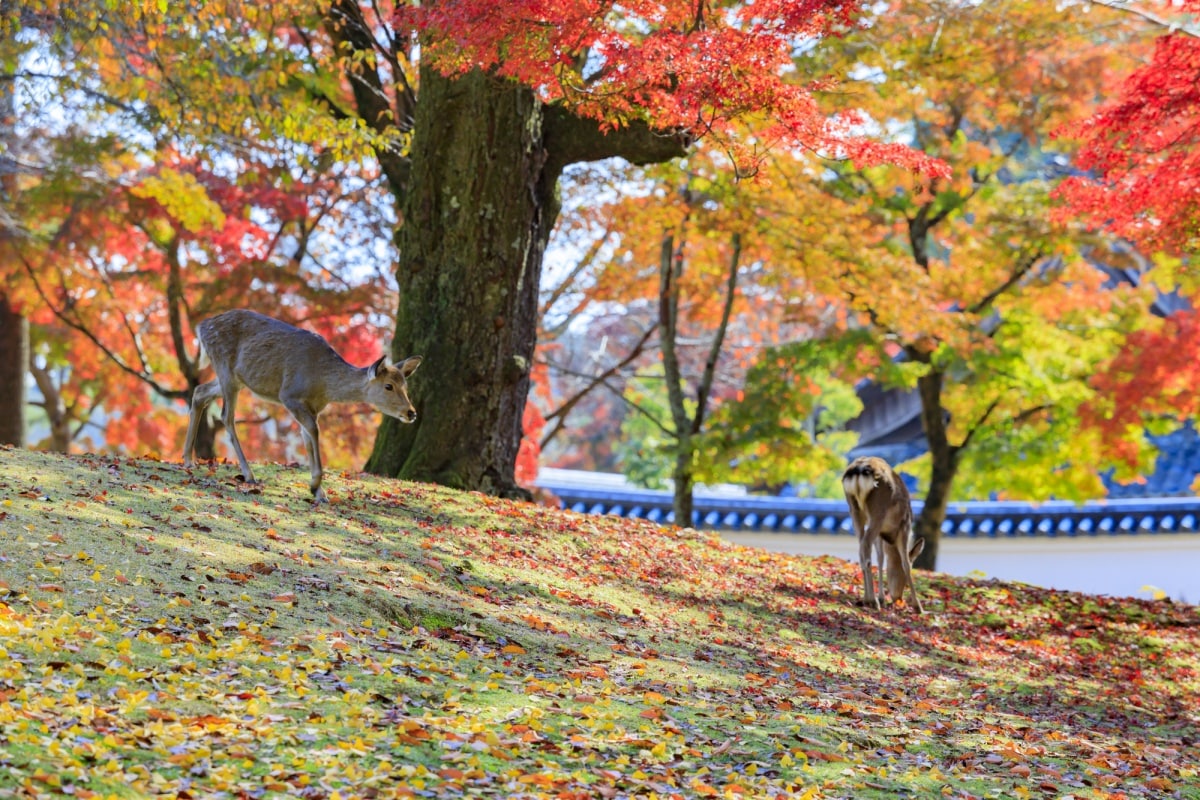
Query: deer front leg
[312, 443]
[229, 414]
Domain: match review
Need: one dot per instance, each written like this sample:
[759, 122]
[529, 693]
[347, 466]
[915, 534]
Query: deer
[296, 368]
[881, 512]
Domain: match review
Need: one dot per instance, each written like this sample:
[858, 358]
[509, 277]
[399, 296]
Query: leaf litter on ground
[173, 633]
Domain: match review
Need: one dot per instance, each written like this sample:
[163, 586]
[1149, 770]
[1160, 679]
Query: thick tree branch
[1023, 268]
[559, 291]
[710, 366]
[352, 37]
[650, 416]
[570, 139]
[74, 324]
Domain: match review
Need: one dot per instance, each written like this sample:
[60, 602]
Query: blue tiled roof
[1175, 469]
[974, 519]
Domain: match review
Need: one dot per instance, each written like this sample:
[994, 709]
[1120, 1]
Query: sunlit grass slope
[166, 633]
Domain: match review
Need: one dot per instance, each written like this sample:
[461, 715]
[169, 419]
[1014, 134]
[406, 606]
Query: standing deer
[295, 368]
[882, 517]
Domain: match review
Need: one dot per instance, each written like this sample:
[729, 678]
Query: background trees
[144, 201]
[962, 290]
[1140, 152]
[471, 110]
[996, 309]
[183, 160]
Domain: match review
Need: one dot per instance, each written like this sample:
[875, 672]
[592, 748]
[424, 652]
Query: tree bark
[683, 503]
[14, 358]
[670, 271]
[57, 414]
[944, 458]
[206, 434]
[477, 218]
[477, 207]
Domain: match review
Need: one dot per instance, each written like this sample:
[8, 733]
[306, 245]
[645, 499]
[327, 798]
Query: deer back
[275, 360]
[880, 495]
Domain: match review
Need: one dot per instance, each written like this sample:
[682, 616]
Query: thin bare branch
[1172, 25]
[560, 413]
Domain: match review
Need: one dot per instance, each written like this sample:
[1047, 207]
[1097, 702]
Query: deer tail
[201, 354]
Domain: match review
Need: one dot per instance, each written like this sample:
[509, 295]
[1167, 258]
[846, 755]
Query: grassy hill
[166, 633]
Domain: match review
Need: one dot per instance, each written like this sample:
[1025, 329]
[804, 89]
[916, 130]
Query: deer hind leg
[858, 517]
[913, 552]
[202, 397]
[900, 572]
[311, 433]
[879, 552]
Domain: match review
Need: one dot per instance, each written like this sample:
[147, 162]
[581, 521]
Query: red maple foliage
[1142, 150]
[532, 423]
[1153, 377]
[701, 67]
[1142, 156]
[131, 271]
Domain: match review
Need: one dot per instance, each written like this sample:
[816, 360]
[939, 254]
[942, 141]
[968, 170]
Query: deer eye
[388, 387]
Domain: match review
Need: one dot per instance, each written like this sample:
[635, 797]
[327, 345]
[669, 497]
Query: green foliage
[183, 198]
[787, 426]
[646, 450]
[1035, 375]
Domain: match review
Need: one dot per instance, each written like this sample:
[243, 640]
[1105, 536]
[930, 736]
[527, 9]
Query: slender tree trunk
[944, 458]
[206, 434]
[57, 414]
[684, 476]
[670, 271]
[686, 430]
[14, 358]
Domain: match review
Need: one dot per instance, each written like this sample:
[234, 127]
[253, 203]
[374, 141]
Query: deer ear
[410, 365]
[373, 373]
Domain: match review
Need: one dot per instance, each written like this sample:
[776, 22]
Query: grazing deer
[882, 516]
[295, 368]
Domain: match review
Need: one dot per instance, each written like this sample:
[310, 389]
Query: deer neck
[347, 384]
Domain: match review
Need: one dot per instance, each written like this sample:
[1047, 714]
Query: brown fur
[881, 511]
[293, 367]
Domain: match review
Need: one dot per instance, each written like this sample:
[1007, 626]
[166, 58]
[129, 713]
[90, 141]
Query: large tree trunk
[944, 458]
[478, 204]
[477, 217]
[14, 358]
